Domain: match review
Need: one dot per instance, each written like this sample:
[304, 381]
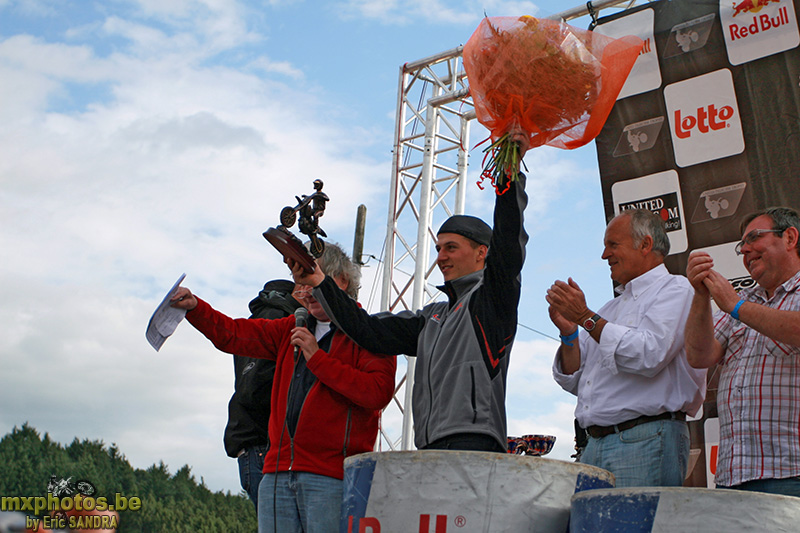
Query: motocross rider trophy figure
[310, 208]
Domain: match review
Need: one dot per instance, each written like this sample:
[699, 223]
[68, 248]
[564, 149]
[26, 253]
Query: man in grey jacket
[462, 345]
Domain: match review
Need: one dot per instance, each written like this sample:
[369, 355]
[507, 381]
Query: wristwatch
[590, 323]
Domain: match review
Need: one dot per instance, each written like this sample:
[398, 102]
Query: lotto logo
[704, 118]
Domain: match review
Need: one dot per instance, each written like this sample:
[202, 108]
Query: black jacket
[249, 408]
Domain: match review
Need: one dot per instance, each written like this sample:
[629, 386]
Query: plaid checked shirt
[759, 395]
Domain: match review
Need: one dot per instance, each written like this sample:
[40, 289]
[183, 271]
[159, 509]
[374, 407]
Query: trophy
[308, 209]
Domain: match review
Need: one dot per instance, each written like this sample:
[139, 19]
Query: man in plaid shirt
[756, 341]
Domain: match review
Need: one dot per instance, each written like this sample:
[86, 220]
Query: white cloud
[41, 8]
[402, 13]
[440, 12]
[57, 61]
[279, 67]
[220, 24]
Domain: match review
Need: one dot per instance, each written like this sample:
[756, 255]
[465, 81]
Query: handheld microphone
[300, 320]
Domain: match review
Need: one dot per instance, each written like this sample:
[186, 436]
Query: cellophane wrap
[554, 83]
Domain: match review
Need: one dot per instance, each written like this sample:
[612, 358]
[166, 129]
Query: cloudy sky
[141, 139]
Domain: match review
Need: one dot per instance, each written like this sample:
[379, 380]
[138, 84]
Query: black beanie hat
[469, 227]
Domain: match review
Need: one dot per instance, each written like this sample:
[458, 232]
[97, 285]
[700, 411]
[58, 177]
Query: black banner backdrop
[705, 131]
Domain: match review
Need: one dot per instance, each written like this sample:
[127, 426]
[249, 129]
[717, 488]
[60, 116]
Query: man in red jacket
[326, 400]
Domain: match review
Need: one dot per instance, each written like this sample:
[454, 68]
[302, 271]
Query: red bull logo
[759, 22]
[751, 6]
[373, 525]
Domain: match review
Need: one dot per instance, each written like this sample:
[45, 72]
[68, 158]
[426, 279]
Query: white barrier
[681, 510]
[436, 491]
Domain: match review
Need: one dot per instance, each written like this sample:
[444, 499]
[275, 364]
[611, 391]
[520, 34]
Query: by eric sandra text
[73, 522]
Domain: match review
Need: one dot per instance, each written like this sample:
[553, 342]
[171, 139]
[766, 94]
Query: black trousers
[477, 442]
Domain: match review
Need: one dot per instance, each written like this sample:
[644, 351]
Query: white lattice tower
[428, 185]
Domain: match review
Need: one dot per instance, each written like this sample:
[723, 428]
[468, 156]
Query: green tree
[168, 502]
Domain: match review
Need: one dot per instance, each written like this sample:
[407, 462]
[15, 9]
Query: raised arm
[494, 306]
[499, 295]
[250, 337]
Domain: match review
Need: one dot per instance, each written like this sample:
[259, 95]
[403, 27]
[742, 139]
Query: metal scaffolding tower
[428, 184]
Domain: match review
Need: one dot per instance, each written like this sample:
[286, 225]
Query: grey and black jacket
[462, 345]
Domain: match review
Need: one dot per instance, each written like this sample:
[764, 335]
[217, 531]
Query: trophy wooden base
[291, 248]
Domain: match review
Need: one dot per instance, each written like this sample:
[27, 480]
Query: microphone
[300, 320]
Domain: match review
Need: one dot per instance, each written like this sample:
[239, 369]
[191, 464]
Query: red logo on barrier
[705, 119]
[425, 521]
[369, 524]
[712, 461]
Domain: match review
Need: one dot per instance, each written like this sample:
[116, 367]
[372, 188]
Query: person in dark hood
[246, 434]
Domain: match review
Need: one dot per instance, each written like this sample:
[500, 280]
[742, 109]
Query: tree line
[169, 502]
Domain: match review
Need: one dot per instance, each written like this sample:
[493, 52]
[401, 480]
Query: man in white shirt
[628, 367]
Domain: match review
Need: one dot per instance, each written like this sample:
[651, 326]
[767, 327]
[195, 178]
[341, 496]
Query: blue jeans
[300, 502]
[251, 462]
[789, 486]
[654, 454]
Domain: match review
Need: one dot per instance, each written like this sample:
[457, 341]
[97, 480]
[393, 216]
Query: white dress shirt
[639, 367]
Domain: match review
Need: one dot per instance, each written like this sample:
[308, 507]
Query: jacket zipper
[347, 429]
[474, 399]
[443, 317]
[299, 415]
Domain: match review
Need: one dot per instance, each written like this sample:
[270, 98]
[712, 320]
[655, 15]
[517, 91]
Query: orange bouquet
[537, 81]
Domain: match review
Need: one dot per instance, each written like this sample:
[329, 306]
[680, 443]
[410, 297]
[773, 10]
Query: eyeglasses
[753, 236]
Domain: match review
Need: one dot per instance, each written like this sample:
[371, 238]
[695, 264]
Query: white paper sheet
[165, 319]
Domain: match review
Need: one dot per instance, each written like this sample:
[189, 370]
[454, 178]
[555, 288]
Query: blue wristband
[566, 339]
[735, 312]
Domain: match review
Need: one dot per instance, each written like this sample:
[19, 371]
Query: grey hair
[335, 262]
[783, 218]
[644, 222]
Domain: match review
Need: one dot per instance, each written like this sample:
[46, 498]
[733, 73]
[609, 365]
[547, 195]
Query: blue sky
[140, 139]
